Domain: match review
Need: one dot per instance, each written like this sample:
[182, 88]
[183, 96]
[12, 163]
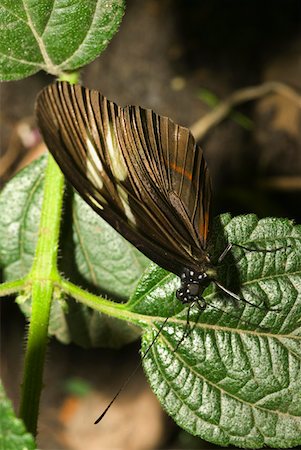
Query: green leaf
[93, 254]
[13, 435]
[236, 378]
[55, 36]
[20, 205]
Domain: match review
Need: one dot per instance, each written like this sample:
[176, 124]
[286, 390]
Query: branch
[200, 128]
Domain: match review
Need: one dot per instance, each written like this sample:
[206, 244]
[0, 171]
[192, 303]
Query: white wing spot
[118, 166]
[125, 202]
[94, 201]
[94, 165]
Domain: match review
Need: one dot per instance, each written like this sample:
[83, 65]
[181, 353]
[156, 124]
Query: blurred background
[180, 58]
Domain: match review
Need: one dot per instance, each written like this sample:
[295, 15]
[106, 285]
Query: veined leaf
[55, 36]
[13, 435]
[236, 378]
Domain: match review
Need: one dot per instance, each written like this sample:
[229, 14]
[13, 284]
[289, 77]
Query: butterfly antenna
[248, 249]
[126, 382]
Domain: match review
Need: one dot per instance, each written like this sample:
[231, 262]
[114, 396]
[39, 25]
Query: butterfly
[141, 172]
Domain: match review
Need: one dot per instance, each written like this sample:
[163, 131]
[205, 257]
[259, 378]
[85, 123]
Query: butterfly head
[193, 284]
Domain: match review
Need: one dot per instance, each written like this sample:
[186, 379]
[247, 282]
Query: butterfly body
[194, 282]
[138, 170]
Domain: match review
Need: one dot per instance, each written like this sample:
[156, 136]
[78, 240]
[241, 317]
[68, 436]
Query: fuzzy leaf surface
[13, 435]
[236, 378]
[55, 36]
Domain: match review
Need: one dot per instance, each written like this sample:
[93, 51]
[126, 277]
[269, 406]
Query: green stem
[12, 287]
[117, 310]
[71, 77]
[42, 277]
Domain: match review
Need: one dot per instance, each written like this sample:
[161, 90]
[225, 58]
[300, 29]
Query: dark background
[165, 54]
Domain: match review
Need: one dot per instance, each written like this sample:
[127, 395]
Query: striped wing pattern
[141, 172]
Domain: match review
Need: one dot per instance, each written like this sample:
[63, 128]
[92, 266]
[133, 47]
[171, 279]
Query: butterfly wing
[141, 172]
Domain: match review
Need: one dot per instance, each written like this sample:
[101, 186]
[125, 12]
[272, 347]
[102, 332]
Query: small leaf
[13, 435]
[93, 253]
[236, 378]
[54, 36]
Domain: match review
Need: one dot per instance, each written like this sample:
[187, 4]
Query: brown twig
[201, 127]
[281, 183]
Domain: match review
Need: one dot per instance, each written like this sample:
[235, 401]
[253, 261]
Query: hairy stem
[42, 277]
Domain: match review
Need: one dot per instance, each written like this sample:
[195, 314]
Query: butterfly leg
[230, 293]
[201, 304]
[187, 328]
[238, 298]
[262, 250]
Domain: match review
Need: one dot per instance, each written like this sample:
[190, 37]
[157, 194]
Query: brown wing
[139, 171]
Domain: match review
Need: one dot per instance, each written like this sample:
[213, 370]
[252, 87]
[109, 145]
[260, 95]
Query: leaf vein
[214, 385]
[23, 61]
[51, 68]
[85, 38]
